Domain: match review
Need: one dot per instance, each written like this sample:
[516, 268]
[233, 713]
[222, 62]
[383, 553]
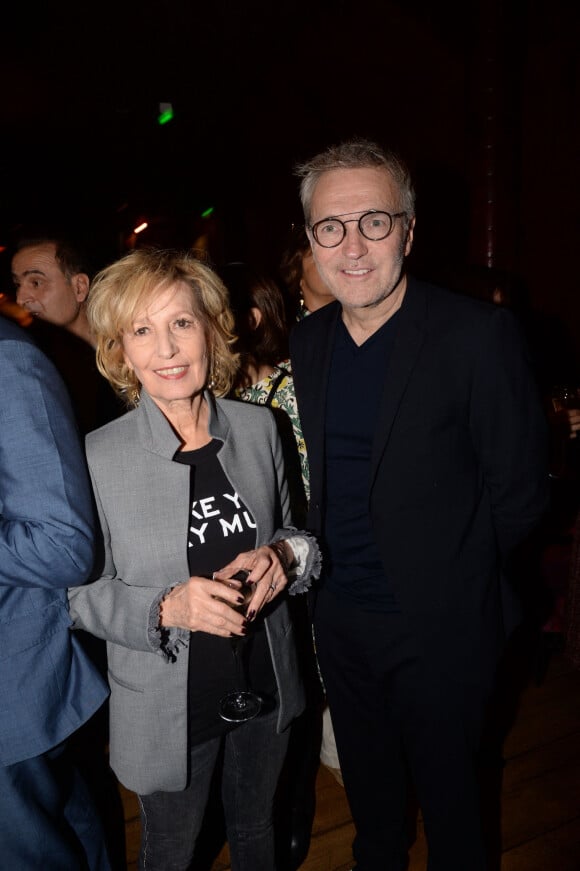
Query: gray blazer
[142, 499]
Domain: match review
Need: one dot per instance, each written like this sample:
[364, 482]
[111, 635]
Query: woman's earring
[135, 396]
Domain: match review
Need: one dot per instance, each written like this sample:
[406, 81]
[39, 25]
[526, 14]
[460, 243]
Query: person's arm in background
[509, 431]
[572, 416]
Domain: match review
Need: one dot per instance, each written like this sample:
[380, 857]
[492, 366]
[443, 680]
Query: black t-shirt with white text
[219, 528]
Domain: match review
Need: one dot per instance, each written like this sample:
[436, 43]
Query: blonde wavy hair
[128, 285]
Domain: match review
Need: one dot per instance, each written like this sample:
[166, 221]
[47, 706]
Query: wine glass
[241, 703]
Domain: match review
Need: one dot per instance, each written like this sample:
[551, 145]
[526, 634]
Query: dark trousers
[396, 715]
[47, 819]
[171, 821]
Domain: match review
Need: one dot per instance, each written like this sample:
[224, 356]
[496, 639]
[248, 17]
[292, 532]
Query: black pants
[252, 760]
[396, 713]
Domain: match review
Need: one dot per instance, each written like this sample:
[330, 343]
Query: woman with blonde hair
[190, 490]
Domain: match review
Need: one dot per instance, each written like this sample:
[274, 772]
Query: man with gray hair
[426, 446]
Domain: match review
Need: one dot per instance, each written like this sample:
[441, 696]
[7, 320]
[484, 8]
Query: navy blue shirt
[353, 566]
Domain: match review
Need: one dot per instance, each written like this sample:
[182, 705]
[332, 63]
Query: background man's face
[42, 288]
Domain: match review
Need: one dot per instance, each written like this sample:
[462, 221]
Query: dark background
[481, 98]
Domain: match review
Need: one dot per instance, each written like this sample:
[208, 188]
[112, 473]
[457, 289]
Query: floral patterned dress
[277, 391]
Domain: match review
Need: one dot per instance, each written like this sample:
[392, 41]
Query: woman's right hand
[195, 606]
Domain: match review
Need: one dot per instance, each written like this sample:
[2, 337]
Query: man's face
[43, 289]
[359, 272]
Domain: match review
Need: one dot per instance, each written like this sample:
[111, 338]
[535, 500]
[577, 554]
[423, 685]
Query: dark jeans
[394, 713]
[171, 821]
[47, 819]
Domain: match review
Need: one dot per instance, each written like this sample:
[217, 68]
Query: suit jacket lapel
[409, 339]
[311, 374]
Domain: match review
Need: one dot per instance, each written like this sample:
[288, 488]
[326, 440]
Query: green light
[207, 212]
[164, 117]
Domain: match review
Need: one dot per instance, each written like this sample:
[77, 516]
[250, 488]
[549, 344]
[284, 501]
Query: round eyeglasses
[372, 225]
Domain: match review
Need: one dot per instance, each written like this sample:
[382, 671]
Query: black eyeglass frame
[391, 216]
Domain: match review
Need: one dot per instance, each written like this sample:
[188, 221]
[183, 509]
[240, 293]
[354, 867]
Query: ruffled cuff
[307, 563]
[168, 641]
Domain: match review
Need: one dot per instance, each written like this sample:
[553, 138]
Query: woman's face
[314, 291]
[166, 347]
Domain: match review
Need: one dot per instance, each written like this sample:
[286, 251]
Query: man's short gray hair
[355, 154]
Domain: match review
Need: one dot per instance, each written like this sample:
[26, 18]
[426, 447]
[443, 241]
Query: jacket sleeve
[509, 431]
[111, 609]
[307, 557]
[46, 515]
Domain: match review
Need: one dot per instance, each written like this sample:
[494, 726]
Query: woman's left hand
[267, 573]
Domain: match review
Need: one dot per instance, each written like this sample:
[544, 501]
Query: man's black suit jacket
[458, 473]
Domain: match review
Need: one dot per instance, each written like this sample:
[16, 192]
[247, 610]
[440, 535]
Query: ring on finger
[272, 588]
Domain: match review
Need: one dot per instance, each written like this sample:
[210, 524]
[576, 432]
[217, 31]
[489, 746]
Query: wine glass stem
[240, 676]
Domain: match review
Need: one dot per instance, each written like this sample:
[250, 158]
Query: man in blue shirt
[48, 686]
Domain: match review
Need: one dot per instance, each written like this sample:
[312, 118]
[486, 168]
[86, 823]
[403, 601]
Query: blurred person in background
[306, 290]
[264, 376]
[51, 278]
[51, 275]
